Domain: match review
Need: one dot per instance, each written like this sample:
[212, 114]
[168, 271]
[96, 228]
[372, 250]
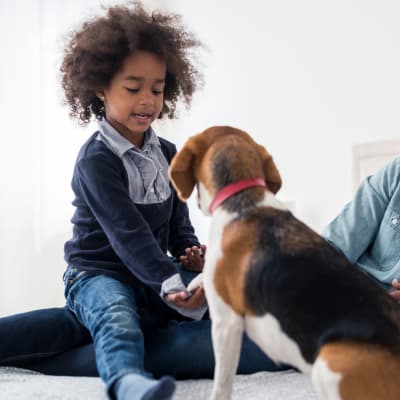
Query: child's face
[134, 98]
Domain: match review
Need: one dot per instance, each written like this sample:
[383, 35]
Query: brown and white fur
[268, 274]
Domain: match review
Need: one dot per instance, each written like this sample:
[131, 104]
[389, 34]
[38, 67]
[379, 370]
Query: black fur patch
[314, 292]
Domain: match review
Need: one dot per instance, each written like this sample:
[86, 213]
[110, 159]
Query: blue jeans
[108, 309]
[116, 314]
[53, 342]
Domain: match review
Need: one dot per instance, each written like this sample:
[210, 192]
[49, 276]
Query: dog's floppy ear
[272, 176]
[181, 173]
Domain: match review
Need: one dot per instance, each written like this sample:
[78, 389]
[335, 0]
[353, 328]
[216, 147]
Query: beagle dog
[268, 274]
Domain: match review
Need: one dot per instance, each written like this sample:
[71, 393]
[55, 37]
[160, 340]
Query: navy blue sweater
[114, 236]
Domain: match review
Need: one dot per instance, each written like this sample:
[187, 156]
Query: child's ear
[100, 95]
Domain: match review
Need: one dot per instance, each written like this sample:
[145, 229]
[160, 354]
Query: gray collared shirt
[147, 168]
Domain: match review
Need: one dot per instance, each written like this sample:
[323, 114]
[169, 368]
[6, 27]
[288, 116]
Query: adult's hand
[395, 292]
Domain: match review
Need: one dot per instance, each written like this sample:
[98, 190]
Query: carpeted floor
[18, 384]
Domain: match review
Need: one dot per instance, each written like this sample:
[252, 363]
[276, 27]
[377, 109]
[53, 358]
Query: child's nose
[147, 98]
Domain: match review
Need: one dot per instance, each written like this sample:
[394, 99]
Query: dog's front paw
[195, 283]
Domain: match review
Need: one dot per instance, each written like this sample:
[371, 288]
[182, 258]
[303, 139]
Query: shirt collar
[121, 145]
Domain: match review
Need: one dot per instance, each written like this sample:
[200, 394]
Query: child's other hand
[395, 291]
[184, 300]
[193, 260]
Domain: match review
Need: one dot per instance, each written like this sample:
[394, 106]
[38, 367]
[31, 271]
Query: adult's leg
[36, 335]
[80, 361]
[53, 342]
[181, 349]
[184, 350]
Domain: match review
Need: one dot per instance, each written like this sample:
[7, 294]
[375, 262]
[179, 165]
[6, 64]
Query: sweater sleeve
[101, 186]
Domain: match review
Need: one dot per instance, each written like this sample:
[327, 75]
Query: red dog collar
[233, 188]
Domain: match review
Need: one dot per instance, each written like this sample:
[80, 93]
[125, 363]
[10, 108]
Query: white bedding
[18, 384]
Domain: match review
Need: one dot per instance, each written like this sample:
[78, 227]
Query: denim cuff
[174, 284]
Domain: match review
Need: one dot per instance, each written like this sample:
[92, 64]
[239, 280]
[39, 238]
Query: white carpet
[19, 384]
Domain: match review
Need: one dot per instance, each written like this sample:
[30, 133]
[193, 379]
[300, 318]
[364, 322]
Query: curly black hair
[96, 52]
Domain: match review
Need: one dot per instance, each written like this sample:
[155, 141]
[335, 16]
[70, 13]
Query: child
[127, 69]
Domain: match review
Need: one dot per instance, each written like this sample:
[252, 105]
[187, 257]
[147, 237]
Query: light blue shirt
[147, 168]
[367, 231]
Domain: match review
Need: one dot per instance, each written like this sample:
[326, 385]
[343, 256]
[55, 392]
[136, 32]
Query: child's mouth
[142, 118]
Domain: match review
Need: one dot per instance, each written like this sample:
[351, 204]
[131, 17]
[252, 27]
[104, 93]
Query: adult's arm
[355, 228]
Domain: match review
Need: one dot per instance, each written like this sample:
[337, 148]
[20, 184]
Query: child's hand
[395, 292]
[184, 300]
[194, 258]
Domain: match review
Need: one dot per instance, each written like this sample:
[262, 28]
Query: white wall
[306, 78]
[39, 144]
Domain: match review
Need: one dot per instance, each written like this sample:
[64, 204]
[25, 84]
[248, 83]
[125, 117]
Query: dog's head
[219, 156]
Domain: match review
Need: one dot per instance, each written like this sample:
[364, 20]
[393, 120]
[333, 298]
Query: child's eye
[157, 92]
[132, 90]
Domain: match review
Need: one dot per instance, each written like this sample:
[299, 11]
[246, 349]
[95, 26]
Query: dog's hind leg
[356, 371]
[227, 332]
[325, 381]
